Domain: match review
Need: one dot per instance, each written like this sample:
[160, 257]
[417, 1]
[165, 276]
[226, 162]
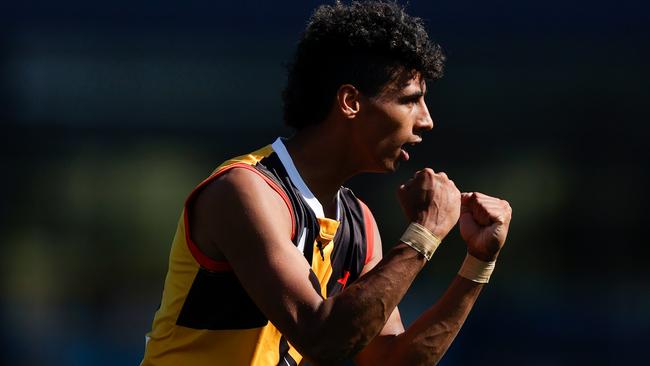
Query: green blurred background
[111, 112]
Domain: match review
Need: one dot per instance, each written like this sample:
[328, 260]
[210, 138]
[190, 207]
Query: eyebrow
[412, 96]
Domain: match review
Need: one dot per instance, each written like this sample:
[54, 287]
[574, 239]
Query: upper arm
[372, 353]
[250, 225]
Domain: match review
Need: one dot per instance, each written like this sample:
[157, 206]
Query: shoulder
[236, 199]
[241, 184]
[239, 181]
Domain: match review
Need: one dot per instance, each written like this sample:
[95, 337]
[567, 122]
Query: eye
[410, 100]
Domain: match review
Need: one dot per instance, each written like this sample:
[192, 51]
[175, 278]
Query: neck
[323, 161]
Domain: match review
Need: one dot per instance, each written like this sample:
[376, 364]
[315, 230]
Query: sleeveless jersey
[207, 318]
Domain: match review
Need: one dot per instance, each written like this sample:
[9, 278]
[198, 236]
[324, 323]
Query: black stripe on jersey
[285, 357]
[304, 216]
[217, 301]
[349, 253]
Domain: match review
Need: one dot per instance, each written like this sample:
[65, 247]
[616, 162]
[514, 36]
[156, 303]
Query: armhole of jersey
[199, 256]
[370, 231]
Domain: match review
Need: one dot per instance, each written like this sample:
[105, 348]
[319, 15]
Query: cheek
[390, 122]
[382, 136]
[395, 131]
[388, 144]
[386, 129]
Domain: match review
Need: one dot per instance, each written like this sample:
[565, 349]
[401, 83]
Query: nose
[424, 121]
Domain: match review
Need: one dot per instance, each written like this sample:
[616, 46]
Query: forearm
[353, 318]
[429, 337]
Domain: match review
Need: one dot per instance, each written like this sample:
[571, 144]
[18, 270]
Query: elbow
[419, 351]
[337, 332]
[333, 344]
[329, 354]
[326, 348]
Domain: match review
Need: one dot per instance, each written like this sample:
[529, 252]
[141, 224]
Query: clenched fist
[484, 223]
[431, 200]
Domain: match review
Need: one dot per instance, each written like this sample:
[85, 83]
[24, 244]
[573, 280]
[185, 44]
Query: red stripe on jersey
[200, 257]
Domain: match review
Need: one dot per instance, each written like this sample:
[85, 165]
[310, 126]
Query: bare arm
[429, 337]
[484, 225]
[248, 223]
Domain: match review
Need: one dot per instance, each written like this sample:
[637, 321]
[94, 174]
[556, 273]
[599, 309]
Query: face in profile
[392, 121]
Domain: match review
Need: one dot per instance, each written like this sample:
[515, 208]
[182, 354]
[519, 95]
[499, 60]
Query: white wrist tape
[421, 239]
[476, 270]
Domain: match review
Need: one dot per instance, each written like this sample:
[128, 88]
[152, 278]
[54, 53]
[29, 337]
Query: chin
[394, 167]
[383, 167]
[390, 166]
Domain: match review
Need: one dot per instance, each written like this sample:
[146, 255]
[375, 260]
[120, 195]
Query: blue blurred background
[111, 112]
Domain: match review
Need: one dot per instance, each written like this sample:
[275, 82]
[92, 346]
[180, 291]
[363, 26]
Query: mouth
[404, 155]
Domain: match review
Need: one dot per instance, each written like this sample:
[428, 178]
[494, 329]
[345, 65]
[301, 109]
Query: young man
[274, 263]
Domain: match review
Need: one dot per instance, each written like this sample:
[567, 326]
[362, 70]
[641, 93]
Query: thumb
[465, 200]
[468, 226]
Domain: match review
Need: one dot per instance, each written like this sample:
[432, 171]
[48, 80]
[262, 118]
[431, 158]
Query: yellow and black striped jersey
[207, 318]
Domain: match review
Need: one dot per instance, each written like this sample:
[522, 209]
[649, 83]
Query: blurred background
[112, 112]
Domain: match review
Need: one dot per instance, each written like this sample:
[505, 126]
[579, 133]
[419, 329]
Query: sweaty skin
[239, 218]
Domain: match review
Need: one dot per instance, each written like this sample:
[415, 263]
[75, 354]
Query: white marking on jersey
[301, 240]
[312, 201]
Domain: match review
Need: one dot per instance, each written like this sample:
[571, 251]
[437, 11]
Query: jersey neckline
[315, 205]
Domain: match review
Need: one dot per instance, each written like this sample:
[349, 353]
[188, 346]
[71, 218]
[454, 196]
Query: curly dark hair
[366, 44]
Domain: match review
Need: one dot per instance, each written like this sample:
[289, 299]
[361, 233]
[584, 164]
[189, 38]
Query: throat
[322, 171]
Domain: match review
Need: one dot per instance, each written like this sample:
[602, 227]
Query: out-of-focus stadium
[111, 112]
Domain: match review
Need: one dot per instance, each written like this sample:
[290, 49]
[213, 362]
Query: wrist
[439, 231]
[483, 255]
[421, 239]
[476, 270]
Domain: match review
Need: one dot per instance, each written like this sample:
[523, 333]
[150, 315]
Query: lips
[404, 155]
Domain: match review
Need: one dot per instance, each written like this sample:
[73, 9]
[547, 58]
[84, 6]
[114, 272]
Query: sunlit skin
[239, 218]
[393, 120]
[362, 134]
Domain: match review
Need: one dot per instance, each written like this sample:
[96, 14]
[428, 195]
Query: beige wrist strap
[476, 270]
[421, 239]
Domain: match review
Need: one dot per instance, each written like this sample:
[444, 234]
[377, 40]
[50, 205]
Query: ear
[347, 98]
